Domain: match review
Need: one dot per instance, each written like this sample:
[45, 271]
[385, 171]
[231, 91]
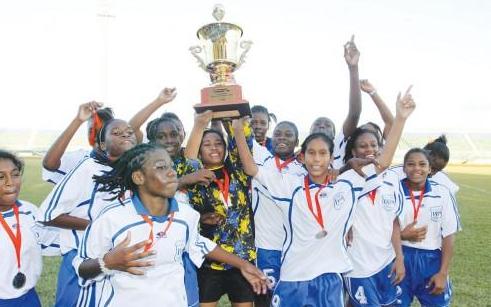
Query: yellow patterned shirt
[236, 233]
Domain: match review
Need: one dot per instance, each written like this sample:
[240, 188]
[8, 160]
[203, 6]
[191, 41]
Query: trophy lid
[217, 29]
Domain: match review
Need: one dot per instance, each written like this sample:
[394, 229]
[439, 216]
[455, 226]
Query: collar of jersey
[141, 210]
[10, 212]
[315, 184]
[406, 191]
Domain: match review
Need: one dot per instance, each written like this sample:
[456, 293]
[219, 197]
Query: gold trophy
[219, 44]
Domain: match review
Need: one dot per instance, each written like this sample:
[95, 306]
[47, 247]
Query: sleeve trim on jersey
[57, 171]
[204, 249]
[59, 191]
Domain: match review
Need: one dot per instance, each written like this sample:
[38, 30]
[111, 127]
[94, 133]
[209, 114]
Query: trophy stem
[222, 74]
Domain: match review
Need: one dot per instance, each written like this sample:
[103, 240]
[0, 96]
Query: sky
[57, 54]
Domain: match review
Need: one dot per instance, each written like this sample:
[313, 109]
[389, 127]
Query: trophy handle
[194, 51]
[246, 45]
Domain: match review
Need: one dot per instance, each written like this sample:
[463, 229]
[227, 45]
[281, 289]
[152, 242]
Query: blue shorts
[421, 265]
[30, 299]
[67, 289]
[269, 261]
[376, 290]
[324, 290]
[190, 281]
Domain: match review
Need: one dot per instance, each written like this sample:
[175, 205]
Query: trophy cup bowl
[221, 55]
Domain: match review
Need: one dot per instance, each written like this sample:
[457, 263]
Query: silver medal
[321, 234]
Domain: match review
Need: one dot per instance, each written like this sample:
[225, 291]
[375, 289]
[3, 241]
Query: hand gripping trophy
[219, 44]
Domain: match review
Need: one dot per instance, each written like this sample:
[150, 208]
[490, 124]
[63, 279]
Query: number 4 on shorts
[360, 295]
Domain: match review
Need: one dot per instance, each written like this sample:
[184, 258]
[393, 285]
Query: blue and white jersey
[339, 150]
[440, 177]
[268, 219]
[304, 256]
[30, 258]
[438, 212]
[371, 249]
[163, 283]
[77, 196]
[68, 161]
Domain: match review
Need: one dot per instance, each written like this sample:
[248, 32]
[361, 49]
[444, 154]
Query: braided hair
[119, 180]
[350, 145]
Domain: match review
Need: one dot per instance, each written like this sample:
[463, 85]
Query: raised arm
[404, 107]
[233, 154]
[250, 167]
[383, 109]
[352, 56]
[165, 96]
[201, 122]
[52, 159]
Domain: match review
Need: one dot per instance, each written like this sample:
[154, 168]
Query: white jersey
[68, 162]
[31, 260]
[77, 196]
[440, 177]
[268, 219]
[438, 212]
[371, 249]
[304, 256]
[163, 283]
[339, 150]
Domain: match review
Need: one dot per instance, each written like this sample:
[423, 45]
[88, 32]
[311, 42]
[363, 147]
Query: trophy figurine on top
[219, 44]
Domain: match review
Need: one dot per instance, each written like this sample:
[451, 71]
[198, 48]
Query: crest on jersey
[436, 213]
[339, 200]
[389, 201]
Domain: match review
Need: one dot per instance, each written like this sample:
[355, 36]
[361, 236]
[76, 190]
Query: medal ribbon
[318, 216]
[413, 201]
[17, 239]
[285, 163]
[372, 195]
[224, 185]
[150, 223]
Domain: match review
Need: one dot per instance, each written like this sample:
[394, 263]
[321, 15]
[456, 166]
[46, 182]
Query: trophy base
[225, 110]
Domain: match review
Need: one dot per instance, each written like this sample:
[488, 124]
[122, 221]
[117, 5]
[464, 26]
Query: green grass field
[471, 267]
